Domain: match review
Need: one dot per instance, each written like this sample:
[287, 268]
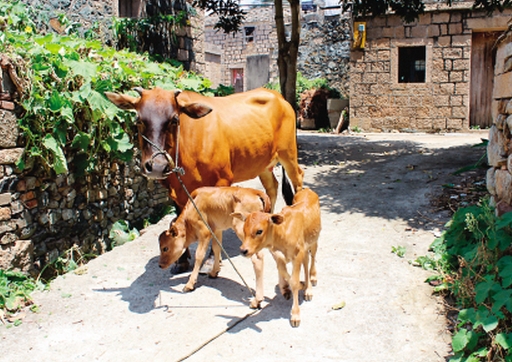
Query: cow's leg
[202, 246]
[290, 163]
[271, 186]
[296, 285]
[257, 263]
[312, 270]
[216, 255]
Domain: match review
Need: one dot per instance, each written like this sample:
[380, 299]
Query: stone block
[9, 131]
[502, 88]
[18, 256]
[496, 148]
[491, 181]
[10, 156]
[504, 185]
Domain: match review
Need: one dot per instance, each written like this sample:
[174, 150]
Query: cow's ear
[196, 110]
[123, 101]
[238, 215]
[277, 219]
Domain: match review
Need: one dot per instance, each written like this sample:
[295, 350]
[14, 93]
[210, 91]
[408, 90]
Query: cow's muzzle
[158, 166]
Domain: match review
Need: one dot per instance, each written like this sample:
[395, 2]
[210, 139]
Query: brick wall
[499, 150]
[378, 102]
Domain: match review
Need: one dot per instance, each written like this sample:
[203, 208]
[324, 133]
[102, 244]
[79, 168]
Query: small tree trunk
[288, 50]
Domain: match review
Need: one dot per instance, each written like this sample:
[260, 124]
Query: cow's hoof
[179, 268]
[314, 281]
[308, 296]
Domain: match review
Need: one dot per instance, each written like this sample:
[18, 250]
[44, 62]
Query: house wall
[499, 149]
[378, 102]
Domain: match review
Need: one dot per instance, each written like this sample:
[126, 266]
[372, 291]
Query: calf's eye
[259, 232]
[166, 249]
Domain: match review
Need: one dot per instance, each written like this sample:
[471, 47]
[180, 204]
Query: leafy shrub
[473, 256]
[15, 290]
[66, 120]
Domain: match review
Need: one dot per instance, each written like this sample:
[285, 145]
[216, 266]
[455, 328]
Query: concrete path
[374, 191]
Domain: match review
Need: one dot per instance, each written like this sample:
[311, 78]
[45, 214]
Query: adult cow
[221, 140]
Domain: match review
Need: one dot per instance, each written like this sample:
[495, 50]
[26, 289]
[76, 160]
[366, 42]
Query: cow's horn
[177, 92]
[139, 90]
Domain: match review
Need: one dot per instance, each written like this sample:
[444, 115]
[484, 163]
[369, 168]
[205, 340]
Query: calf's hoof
[314, 281]
[255, 304]
[308, 295]
[295, 321]
[213, 274]
[187, 288]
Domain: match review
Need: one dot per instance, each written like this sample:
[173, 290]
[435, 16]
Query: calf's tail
[287, 190]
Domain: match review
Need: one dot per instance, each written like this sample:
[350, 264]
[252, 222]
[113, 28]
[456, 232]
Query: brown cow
[222, 140]
[215, 204]
[291, 235]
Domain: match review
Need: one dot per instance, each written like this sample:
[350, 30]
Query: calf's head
[257, 231]
[172, 245]
[158, 113]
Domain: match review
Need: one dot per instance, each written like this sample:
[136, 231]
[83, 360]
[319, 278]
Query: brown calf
[215, 204]
[291, 235]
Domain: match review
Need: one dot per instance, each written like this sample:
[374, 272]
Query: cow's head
[257, 230]
[158, 113]
[172, 244]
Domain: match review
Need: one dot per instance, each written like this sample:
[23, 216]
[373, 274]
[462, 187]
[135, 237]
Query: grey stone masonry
[499, 149]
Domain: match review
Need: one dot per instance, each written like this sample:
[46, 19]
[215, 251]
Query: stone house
[433, 75]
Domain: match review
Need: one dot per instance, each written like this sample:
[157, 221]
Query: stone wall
[499, 150]
[43, 215]
[378, 102]
[98, 16]
[324, 50]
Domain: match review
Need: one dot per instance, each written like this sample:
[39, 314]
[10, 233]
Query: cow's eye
[166, 249]
[259, 232]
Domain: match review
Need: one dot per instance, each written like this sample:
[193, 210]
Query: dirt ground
[377, 191]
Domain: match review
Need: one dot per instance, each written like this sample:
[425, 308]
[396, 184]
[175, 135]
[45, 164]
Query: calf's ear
[173, 231]
[238, 215]
[277, 218]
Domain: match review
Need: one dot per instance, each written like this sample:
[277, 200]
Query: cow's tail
[287, 190]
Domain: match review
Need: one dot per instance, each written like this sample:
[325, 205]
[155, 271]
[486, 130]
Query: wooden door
[483, 58]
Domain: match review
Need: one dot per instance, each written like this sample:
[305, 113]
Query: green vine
[65, 119]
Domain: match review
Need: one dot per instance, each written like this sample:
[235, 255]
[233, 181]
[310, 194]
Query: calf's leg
[257, 263]
[296, 285]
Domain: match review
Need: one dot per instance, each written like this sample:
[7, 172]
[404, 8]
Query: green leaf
[504, 340]
[483, 289]
[505, 270]
[85, 69]
[55, 102]
[60, 164]
[490, 323]
[460, 340]
[82, 140]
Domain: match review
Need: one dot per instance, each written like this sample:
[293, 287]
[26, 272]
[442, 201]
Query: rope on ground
[200, 347]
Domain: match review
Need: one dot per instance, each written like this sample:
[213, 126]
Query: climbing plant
[65, 119]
